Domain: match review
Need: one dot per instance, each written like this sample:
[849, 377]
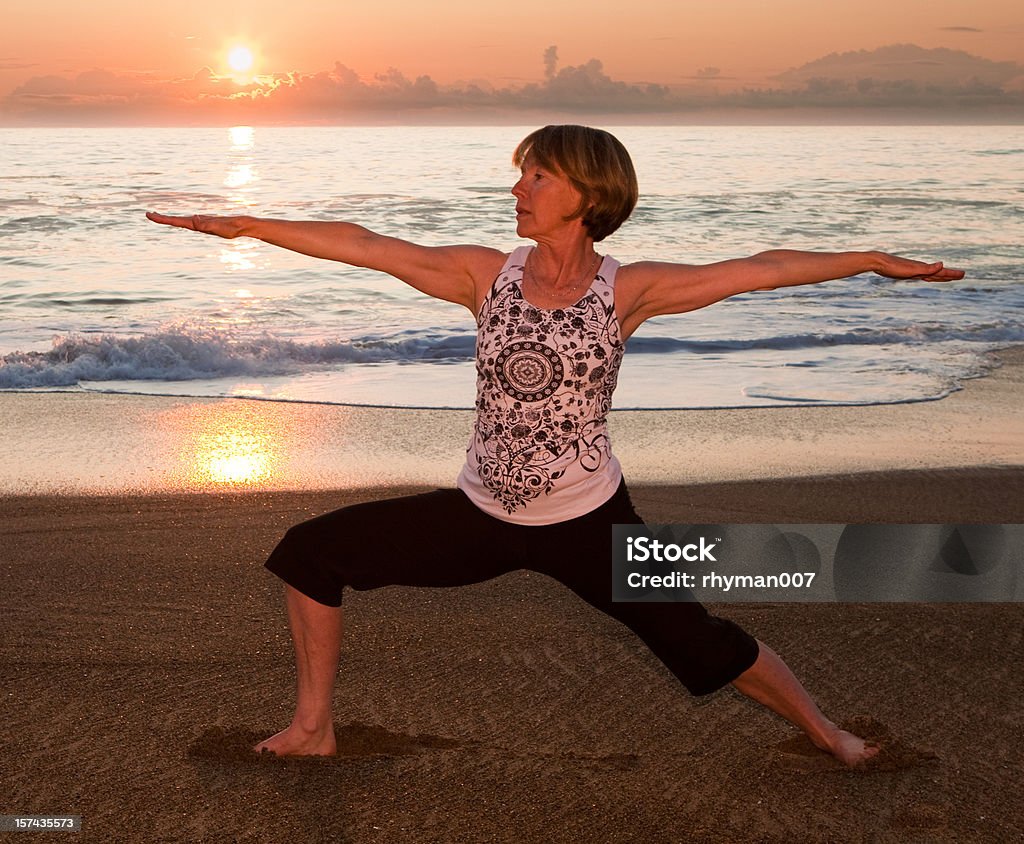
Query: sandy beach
[144, 647]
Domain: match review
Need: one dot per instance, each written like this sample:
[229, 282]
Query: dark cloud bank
[890, 83]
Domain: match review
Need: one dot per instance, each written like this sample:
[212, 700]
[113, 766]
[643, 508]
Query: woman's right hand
[460, 274]
[228, 227]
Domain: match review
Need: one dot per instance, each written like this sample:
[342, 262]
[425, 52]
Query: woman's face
[544, 198]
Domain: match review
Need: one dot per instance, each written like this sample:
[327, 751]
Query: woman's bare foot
[849, 749]
[296, 740]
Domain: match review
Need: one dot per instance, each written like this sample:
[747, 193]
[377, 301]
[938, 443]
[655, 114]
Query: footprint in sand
[355, 740]
[799, 754]
[234, 744]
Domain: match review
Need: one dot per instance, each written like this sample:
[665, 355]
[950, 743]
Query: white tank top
[540, 451]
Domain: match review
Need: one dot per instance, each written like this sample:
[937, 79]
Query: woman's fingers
[939, 272]
[905, 268]
[192, 222]
[228, 227]
[948, 274]
[166, 220]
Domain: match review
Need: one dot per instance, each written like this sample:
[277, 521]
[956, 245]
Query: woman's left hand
[893, 266]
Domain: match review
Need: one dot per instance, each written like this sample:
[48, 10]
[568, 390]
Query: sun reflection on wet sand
[232, 457]
[139, 445]
[228, 445]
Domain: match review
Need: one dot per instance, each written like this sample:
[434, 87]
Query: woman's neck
[558, 267]
[553, 279]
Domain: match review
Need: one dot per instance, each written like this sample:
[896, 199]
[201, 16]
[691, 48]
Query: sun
[240, 58]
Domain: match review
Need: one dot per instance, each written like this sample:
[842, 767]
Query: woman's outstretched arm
[453, 273]
[649, 288]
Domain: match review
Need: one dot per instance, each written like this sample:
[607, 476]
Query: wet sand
[144, 649]
[96, 443]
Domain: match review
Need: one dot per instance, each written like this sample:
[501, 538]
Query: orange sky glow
[149, 54]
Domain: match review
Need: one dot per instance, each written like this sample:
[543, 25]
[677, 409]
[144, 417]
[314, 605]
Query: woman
[540, 487]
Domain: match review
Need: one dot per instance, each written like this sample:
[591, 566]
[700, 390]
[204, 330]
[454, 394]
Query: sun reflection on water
[242, 137]
[242, 176]
[237, 256]
[239, 176]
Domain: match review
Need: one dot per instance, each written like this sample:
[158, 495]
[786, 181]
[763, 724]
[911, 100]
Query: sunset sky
[148, 55]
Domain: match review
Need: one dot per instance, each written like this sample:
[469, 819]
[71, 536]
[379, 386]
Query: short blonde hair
[596, 164]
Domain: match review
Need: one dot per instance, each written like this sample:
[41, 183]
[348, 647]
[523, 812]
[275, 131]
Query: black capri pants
[441, 538]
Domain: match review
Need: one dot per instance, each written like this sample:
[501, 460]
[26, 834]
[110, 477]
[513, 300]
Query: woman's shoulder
[635, 277]
[641, 276]
[488, 265]
[639, 283]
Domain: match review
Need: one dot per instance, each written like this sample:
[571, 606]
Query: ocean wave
[43, 223]
[905, 335]
[784, 397]
[187, 355]
[70, 301]
[924, 200]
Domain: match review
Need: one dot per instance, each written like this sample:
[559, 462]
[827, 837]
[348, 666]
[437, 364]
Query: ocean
[93, 297]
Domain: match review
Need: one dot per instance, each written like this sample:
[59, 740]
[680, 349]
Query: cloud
[8, 63]
[336, 94]
[550, 62]
[947, 81]
[708, 74]
[588, 87]
[960, 29]
[902, 75]
[906, 62]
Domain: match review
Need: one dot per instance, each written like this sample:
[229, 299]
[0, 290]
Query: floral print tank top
[540, 451]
